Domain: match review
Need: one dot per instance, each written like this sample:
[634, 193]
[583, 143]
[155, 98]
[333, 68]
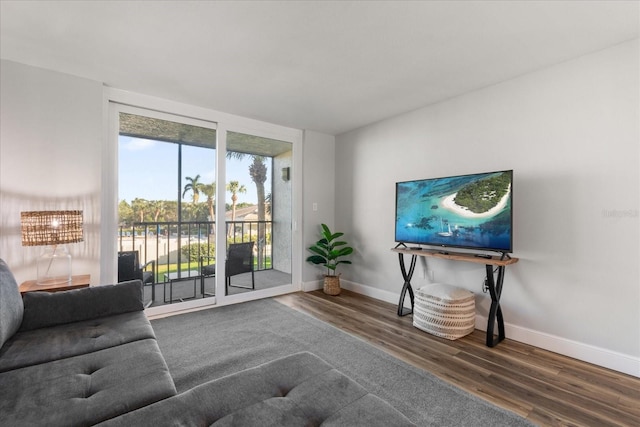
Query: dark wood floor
[544, 387]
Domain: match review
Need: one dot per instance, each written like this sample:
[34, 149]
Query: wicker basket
[445, 311]
[332, 285]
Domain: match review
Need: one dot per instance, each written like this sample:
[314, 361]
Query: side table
[177, 277]
[80, 281]
[493, 285]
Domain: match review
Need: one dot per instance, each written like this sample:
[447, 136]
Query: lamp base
[54, 266]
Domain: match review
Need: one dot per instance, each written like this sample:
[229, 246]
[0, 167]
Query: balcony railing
[179, 246]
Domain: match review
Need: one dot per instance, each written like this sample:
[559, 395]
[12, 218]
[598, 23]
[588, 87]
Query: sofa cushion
[11, 308]
[27, 348]
[43, 309]
[85, 389]
[297, 390]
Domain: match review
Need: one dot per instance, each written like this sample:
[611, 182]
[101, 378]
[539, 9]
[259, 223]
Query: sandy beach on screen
[449, 204]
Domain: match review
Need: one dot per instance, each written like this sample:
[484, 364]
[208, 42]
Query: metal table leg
[495, 312]
[402, 311]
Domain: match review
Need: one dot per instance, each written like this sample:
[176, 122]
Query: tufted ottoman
[445, 311]
[297, 390]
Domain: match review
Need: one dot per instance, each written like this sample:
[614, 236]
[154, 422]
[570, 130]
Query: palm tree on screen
[209, 190]
[139, 206]
[158, 207]
[258, 173]
[195, 186]
[234, 188]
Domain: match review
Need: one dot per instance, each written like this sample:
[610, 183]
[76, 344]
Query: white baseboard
[585, 352]
[624, 363]
[390, 297]
[312, 286]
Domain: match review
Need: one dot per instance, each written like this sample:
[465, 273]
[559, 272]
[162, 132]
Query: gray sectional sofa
[90, 356]
[76, 357]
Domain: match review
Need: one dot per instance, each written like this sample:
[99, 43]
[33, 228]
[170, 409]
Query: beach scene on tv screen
[467, 211]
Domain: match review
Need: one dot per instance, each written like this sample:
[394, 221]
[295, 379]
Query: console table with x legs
[494, 284]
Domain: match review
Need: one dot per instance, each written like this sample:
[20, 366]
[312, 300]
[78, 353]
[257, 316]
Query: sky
[149, 169]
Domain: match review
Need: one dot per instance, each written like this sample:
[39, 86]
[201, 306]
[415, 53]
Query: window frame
[117, 101]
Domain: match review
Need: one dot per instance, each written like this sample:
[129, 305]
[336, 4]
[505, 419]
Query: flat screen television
[466, 211]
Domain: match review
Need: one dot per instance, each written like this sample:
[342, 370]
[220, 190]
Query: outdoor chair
[129, 268]
[239, 260]
[208, 270]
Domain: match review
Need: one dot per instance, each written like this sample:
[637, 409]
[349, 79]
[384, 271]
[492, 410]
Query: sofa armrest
[44, 309]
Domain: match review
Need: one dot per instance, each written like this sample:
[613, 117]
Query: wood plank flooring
[544, 387]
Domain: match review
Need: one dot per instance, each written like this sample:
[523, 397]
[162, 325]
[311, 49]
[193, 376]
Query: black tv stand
[494, 285]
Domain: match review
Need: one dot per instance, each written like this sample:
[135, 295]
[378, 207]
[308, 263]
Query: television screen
[466, 211]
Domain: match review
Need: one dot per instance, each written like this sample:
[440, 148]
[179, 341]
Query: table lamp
[53, 229]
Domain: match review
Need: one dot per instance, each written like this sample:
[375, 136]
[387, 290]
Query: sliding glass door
[166, 197]
[208, 211]
[258, 196]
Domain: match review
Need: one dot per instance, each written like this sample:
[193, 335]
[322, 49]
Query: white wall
[318, 169]
[282, 210]
[50, 146]
[571, 134]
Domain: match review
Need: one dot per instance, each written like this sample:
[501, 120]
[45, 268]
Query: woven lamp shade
[42, 228]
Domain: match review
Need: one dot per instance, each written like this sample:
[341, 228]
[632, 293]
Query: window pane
[166, 202]
[143, 193]
[258, 199]
[198, 183]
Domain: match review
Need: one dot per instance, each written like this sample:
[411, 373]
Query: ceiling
[320, 65]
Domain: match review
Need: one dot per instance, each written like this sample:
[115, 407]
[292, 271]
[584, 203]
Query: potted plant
[330, 252]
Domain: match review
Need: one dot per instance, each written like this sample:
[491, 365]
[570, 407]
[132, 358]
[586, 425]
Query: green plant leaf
[317, 250]
[345, 251]
[322, 243]
[328, 251]
[335, 236]
[317, 259]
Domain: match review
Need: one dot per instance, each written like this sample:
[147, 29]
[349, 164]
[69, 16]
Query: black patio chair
[129, 268]
[239, 261]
